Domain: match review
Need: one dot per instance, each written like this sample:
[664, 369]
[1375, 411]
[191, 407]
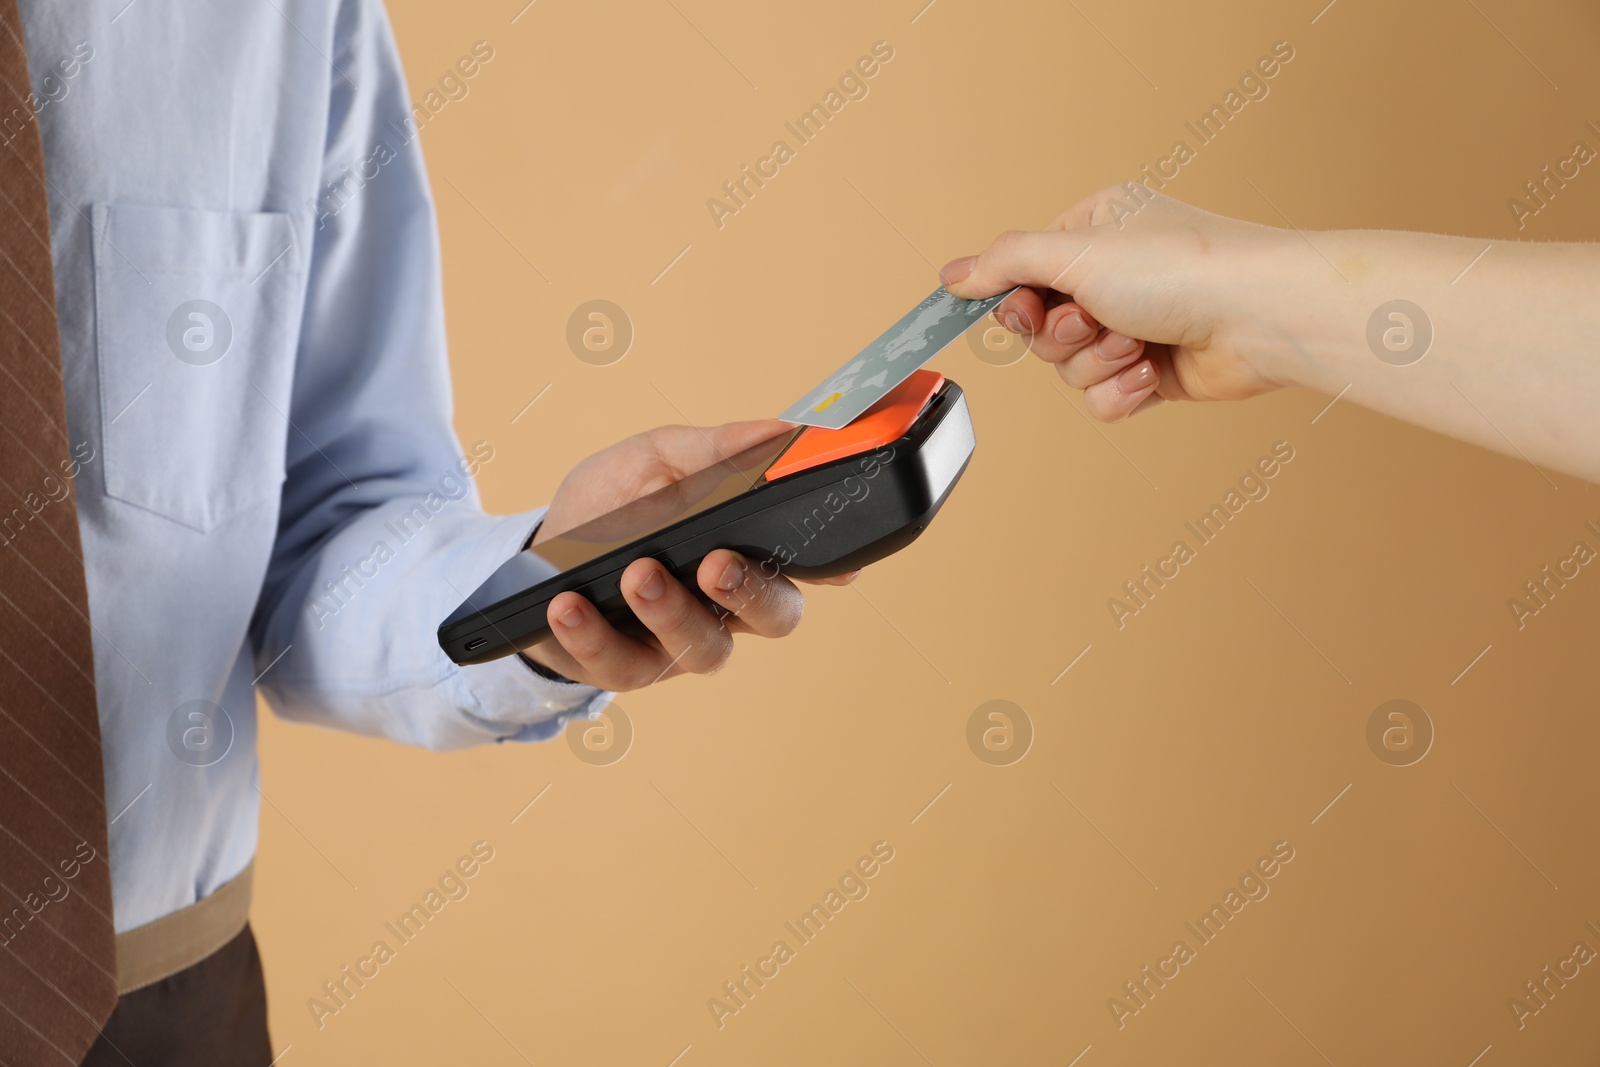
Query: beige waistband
[149, 953]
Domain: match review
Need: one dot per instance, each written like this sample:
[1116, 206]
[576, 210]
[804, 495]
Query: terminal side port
[475, 644]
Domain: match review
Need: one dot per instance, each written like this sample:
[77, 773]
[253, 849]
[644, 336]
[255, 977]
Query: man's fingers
[733, 437]
[767, 606]
[1051, 260]
[682, 450]
[549, 654]
[596, 652]
[693, 638]
[686, 636]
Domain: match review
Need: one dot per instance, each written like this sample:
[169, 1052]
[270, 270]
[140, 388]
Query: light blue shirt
[270, 492]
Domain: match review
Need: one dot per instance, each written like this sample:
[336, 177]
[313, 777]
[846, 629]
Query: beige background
[1175, 752]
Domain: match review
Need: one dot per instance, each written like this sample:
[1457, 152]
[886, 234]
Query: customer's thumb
[1049, 260]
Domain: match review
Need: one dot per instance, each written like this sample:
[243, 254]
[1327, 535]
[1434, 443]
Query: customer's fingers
[1066, 328]
[1052, 260]
[1119, 396]
[1110, 353]
[1023, 312]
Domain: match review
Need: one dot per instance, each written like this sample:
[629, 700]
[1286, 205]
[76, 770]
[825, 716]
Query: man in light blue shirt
[270, 493]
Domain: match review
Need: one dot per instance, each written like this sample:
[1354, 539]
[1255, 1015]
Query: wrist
[1279, 303]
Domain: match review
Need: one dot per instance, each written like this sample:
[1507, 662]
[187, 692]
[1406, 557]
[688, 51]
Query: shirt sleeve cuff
[513, 701]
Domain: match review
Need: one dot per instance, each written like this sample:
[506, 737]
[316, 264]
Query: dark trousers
[213, 1013]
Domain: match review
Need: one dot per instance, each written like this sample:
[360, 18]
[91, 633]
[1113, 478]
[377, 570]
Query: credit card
[901, 350]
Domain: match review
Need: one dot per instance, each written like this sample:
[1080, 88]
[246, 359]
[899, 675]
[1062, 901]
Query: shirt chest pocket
[197, 314]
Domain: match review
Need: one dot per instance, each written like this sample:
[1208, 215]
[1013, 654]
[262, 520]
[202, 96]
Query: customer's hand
[684, 634]
[1127, 295]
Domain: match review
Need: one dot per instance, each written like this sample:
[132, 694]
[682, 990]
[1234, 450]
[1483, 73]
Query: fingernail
[732, 577]
[1115, 346]
[1139, 376]
[1070, 329]
[957, 269]
[571, 618]
[1013, 322]
[652, 587]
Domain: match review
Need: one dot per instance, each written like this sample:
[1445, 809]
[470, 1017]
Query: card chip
[824, 405]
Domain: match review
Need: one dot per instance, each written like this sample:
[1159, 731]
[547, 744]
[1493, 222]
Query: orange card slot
[883, 423]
